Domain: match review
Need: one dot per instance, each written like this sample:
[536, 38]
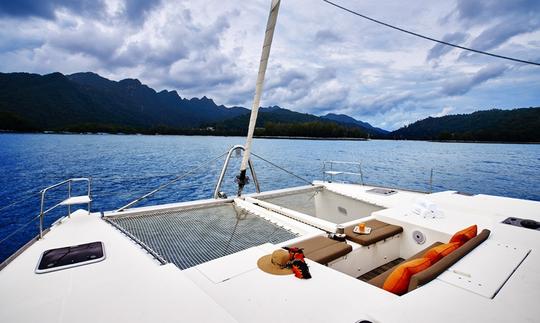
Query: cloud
[187, 73]
[462, 85]
[14, 37]
[47, 9]
[137, 10]
[440, 49]
[501, 32]
[134, 11]
[477, 12]
[323, 60]
[386, 102]
[499, 20]
[172, 37]
[289, 78]
[314, 91]
[325, 36]
[88, 38]
[444, 112]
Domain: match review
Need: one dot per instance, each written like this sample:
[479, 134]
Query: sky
[323, 60]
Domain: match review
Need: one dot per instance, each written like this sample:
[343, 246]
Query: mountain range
[59, 102]
[88, 102]
[55, 101]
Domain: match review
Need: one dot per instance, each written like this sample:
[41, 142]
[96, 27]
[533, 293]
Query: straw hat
[275, 263]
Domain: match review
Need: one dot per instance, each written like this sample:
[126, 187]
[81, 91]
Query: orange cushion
[398, 281]
[465, 234]
[436, 253]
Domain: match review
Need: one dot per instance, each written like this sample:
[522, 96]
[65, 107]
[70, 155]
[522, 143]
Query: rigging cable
[429, 38]
[283, 169]
[19, 201]
[19, 229]
[176, 179]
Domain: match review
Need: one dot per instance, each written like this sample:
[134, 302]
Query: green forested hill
[87, 102]
[518, 125]
[275, 121]
[58, 102]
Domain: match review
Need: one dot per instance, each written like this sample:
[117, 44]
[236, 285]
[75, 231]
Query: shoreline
[311, 138]
[266, 137]
[168, 134]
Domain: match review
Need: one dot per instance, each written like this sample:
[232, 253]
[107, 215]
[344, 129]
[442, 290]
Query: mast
[269, 34]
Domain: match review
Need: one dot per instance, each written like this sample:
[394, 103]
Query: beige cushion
[379, 231]
[323, 249]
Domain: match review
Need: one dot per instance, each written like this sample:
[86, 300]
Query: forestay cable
[429, 38]
[170, 182]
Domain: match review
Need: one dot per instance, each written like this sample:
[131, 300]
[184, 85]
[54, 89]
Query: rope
[238, 218]
[283, 169]
[430, 38]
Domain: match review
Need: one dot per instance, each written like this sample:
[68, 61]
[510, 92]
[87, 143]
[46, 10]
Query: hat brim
[265, 264]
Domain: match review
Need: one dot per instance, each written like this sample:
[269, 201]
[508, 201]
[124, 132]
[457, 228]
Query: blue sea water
[123, 168]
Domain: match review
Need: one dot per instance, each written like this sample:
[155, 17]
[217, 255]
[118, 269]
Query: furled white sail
[269, 34]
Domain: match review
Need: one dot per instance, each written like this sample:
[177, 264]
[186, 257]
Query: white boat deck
[130, 285]
[332, 296]
[252, 295]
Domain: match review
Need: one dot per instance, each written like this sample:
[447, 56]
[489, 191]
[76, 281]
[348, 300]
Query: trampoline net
[194, 236]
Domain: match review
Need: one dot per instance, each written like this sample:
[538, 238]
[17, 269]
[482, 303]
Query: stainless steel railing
[330, 171]
[71, 200]
[237, 149]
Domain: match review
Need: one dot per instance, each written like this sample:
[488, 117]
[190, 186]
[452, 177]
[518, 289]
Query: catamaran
[371, 254]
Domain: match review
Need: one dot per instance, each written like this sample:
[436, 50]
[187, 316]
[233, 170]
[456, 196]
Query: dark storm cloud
[46, 8]
[478, 11]
[190, 56]
[220, 70]
[460, 86]
[134, 11]
[500, 33]
[285, 79]
[508, 18]
[439, 49]
[82, 39]
[13, 39]
[137, 10]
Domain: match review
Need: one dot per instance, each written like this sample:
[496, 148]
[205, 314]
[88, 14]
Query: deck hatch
[487, 268]
[191, 237]
[72, 256]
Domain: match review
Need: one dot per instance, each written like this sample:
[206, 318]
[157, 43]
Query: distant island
[87, 102]
[518, 125]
